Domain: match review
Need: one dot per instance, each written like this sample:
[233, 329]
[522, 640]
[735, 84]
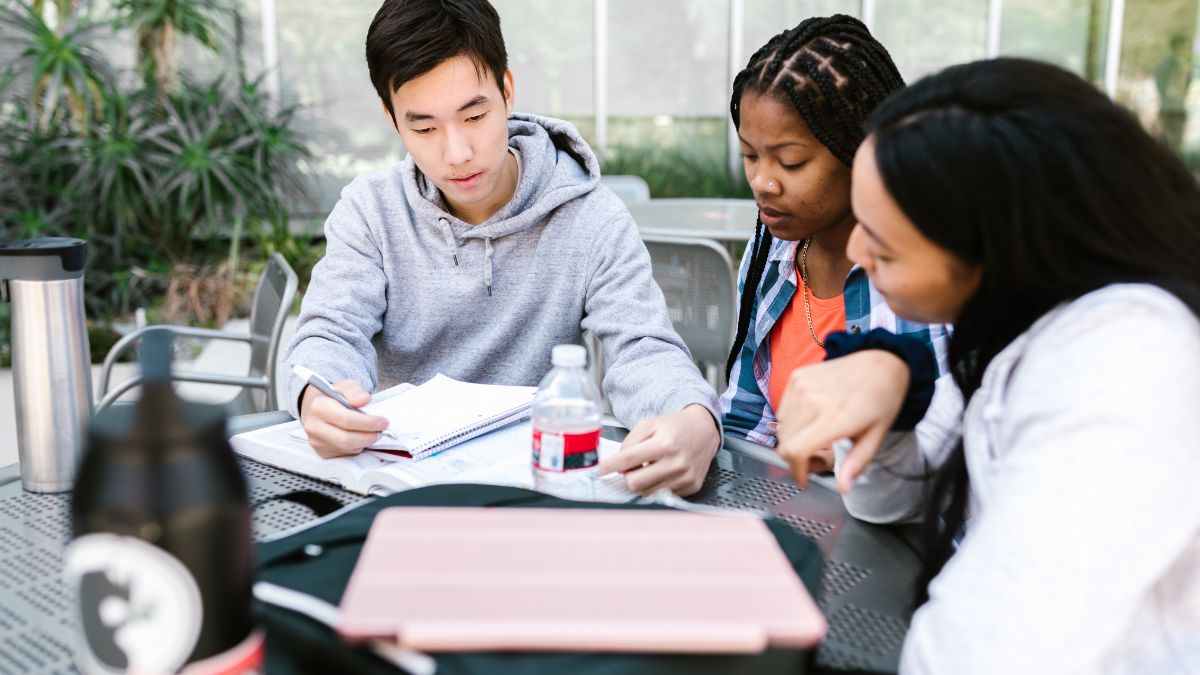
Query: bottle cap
[568, 355]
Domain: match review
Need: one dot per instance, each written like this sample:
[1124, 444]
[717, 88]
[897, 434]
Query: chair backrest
[696, 276]
[631, 189]
[273, 298]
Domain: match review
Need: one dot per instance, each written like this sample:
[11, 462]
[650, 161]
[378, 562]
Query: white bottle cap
[568, 355]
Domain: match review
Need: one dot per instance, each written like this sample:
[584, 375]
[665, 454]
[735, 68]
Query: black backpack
[318, 561]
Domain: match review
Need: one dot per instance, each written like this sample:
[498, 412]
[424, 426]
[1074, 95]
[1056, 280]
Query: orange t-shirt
[791, 344]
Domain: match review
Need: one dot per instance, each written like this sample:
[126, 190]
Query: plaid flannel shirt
[746, 411]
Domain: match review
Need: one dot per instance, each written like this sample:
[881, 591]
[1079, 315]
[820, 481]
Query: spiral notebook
[426, 419]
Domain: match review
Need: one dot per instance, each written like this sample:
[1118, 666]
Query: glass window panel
[551, 51]
[668, 74]
[322, 67]
[667, 57]
[764, 19]
[1158, 49]
[246, 38]
[1067, 33]
[924, 37]
[202, 64]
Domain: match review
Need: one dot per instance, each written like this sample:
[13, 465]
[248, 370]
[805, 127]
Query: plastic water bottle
[566, 427]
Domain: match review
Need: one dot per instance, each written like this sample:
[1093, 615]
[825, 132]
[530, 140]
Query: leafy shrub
[163, 177]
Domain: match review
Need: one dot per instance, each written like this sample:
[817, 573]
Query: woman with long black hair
[1057, 467]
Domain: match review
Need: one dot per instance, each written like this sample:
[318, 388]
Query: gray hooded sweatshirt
[406, 290]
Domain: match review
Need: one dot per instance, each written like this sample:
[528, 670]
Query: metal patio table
[865, 590]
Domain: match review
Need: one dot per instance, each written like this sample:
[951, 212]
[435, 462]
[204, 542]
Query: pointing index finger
[630, 456]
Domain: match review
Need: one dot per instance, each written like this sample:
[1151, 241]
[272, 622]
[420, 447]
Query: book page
[284, 446]
[457, 464]
[423, 416]
[502, 457]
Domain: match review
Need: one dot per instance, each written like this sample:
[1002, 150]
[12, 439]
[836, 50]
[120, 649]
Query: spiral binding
[457, 436]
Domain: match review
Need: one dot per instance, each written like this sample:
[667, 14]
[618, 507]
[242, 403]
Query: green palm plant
[112, 176]
[204, 173]
[30, 171]
[53, 181]
[275, 153]
[60, 60]
[677, 171]
[163, 182]
[224, 157]
[276, 150]
[110, 171]
[158, 25]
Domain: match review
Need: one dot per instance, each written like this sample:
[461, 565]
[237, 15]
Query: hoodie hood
[556, 166]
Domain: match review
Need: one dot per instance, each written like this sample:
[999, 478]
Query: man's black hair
[409, 38]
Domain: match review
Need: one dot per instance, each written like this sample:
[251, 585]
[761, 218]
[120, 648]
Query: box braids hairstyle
[834, 73]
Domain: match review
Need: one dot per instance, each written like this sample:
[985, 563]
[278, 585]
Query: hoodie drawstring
[452, 246]
[487, 264]
[449, 235]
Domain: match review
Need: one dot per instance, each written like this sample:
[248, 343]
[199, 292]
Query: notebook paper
[431, 417]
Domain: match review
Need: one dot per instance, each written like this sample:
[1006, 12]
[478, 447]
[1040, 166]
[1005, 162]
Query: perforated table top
[864, 591]
[869, 569]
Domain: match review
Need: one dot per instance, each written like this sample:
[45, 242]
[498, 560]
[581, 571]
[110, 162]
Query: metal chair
[273, 296]
[696, 276]
[631, 189]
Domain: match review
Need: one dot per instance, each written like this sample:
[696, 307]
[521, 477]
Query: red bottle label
[565, 452]
[247, 658]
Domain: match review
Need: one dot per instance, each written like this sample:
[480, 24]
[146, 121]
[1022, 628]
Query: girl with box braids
[833, 73]
[800, 109]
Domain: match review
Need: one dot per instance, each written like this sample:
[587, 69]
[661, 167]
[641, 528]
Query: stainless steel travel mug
[52, 375]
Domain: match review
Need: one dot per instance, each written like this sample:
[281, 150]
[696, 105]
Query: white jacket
[1082, 551]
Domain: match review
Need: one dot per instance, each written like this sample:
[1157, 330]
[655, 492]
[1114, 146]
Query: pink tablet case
[468, 579]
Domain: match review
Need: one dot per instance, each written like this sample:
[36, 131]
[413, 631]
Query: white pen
[322, 385]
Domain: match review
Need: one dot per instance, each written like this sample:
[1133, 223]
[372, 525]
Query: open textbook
[446, 431]
[500, 457]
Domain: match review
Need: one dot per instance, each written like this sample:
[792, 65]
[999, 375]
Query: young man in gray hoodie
[488, 245]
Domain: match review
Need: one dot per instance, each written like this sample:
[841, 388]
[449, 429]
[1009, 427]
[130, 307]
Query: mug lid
[43, 258]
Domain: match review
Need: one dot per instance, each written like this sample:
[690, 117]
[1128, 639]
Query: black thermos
[162, 560]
